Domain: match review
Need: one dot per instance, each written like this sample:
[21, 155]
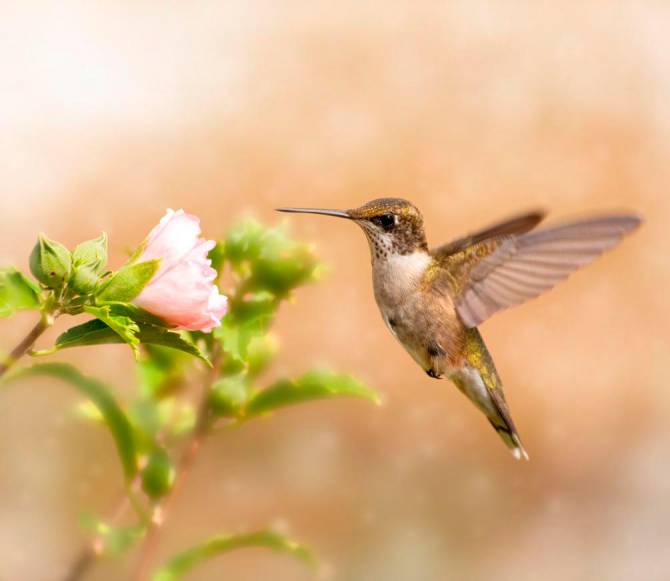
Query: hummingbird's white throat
[395, 275]
[381, 243]
[398, 276]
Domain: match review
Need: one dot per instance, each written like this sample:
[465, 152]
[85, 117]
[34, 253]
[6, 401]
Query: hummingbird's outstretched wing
[505, 270]
[516, 225]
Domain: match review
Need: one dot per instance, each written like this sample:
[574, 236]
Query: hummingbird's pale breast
[397, 276]
[425, 324]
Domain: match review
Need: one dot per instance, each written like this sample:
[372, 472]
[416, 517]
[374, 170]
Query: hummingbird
[433, 299]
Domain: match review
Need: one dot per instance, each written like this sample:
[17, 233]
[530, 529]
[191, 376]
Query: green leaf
[247, 320]
[153, 418]
[17, 292]
[229, 394]
[148, 418]
[175, 340]
[317, 384]
[233, 340]
[98, 333]
[178, 566]
[128, 282]
[50, 262]
[260, 353]
[93, 332]
[161, 370]
[102, 397]
[123, 326]
[135, 313]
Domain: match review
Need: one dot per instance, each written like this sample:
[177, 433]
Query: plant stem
[81, 564]
[162, 511]
[46, 320]
[91, 551]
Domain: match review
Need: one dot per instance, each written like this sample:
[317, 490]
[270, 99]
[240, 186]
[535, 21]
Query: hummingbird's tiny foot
[431, 373]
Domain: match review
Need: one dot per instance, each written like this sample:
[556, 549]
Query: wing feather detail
[515, 225]
[521, 267]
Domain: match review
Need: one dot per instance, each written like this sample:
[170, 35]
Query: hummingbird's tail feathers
[520, 452]
[479, 381]
[512, 441]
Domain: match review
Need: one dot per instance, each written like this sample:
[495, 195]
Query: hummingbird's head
[391, 225]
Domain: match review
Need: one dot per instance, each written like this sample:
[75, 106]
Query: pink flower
[182, 292]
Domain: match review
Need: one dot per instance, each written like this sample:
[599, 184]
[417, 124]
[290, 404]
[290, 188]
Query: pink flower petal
[173, 238]
[183, 292]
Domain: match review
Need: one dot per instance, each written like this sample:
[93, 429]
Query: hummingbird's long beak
[336, 213]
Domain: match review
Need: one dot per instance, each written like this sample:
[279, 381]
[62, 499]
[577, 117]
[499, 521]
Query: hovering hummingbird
[432, 300]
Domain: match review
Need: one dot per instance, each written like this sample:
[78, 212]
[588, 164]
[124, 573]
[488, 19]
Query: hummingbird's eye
[386, 221]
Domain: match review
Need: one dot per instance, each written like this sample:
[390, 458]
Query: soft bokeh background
[112, 111]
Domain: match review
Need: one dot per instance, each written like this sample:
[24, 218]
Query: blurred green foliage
[187, 382]
[178, 566]
[102, 397]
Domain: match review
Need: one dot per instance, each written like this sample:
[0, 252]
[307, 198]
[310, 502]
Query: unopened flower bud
[50, 262]
[158, 475]
[88, 261]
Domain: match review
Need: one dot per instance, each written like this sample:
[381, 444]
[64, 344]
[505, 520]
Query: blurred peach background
[111, 112]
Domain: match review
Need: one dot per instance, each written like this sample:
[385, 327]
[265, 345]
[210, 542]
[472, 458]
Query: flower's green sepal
[128, 282]
[84, 280]
[50, 262]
